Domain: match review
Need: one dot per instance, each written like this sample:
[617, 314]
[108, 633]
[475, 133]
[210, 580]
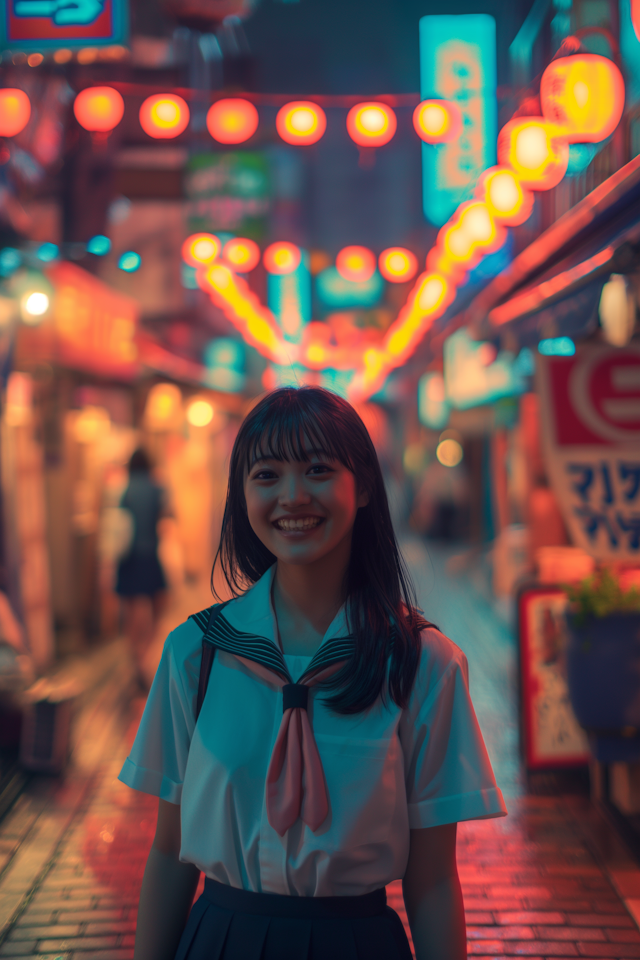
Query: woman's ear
[363, 499]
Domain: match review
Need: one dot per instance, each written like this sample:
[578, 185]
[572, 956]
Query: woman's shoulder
[184, 643]
[439, 657]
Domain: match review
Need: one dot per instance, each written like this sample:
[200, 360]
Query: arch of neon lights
[532, 153]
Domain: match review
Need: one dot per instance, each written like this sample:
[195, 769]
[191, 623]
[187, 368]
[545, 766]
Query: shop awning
[553, 287]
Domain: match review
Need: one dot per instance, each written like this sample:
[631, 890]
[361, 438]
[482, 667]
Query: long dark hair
[381, 606]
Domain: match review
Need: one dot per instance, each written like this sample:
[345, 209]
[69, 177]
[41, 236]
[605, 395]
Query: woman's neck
[306, 599]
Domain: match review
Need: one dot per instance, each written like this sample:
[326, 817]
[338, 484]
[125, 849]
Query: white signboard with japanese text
[590, 407]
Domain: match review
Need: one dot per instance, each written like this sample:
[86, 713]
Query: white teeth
[306, 523]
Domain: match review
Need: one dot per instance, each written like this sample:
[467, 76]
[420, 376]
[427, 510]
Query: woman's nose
[294, 492]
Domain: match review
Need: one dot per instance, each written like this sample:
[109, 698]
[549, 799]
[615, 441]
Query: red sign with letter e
[591, 430]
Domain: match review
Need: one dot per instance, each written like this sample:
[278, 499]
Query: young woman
[336, 748]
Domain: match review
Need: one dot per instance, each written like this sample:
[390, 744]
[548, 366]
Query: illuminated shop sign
[46, 24]
[289, 297]
[475, 373]
[458, 64]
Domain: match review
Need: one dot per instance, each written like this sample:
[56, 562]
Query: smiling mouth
[302, 523]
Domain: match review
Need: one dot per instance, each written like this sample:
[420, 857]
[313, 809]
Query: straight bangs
[297, 437]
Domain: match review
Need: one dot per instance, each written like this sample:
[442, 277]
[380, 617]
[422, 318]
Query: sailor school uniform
[302, 802]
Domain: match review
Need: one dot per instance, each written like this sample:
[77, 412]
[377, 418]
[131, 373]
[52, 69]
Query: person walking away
[140, 580]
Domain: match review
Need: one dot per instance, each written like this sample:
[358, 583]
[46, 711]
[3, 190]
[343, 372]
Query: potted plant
[603, 662]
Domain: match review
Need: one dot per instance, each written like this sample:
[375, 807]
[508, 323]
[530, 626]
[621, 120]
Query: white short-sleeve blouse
[387, 770]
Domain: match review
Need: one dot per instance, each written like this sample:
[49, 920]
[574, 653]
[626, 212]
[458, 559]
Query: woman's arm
[433, 897]
[167, 891]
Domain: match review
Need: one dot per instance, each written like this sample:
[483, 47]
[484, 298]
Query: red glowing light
[232, 120]
[504, 196]
[164, 116]
[98, 109]
[281, 258]
[301, 122]
[437, 121]
[583, 94]
[200, 248]
[536, 151]
[15, 110]
[241, 254]
[357, 264]
[371, 124]
[397, 264]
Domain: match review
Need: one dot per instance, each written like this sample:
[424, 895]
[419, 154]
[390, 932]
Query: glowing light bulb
[200, 248]
[449, 452]
[437, 121]
[232, 120]
[357, 264]
[301, 123]
[281, 258]
[371, 124]
[199, 413]
[15, 110]
[241, 254]
[98, 109]
[164, 116]
[397, 264]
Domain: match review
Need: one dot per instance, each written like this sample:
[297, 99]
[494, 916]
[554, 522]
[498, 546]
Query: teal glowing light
[10, 260]
[557, 347]
[129, 261]
[474, 374]
[47, 252]
[225, 362]
[337, 293]
[289, 299]
[99, 245]
[433, 406]
[458, 63]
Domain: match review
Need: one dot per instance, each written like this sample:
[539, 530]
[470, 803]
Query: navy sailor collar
[247, 628]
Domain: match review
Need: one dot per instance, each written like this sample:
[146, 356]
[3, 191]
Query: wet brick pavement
[551, 880]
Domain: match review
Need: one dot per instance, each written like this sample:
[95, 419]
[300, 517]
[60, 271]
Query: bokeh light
[98, 109]
[301, 123]
[437, 121]
[357, 264]
[449, 452]
[129, 261]
[15, 110]
[241, 254]
[164, 116]
[397, 264]
[281, 258]
[200, 248]
[535, 150]
[232, 120]
[99, 245]
[33, 305]
[583, 94]
[199, 413]
[371, 124]
[502, 192]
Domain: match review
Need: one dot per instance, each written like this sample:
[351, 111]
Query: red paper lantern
[200, 249]
[241, 254]
[437, 121]
[281, 258]
[371, 124]
[15, 110]
[357, 264]
[397, 265]
[98, 109]
[232, 120]
[164, 116]
[301, 122]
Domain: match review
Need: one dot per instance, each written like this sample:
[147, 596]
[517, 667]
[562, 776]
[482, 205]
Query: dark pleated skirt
[230, 924]
[140, 576]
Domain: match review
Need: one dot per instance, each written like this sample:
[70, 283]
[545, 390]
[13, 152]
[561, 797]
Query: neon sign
[458, 64]
[48, 24]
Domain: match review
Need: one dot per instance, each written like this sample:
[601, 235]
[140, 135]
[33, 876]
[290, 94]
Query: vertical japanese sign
[458, 63]
[48, 24]
[590, 406]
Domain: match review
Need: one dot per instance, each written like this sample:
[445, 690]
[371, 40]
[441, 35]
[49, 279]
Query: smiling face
[302, 511]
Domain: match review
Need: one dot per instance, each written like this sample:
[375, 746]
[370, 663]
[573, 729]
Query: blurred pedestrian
[140, 580]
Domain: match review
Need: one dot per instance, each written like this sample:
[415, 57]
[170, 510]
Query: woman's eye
[264, 475]
[319, 468]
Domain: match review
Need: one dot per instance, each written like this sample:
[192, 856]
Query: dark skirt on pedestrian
[230, 924]
[140, 575]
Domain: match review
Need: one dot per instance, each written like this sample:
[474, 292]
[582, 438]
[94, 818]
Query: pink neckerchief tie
[296, 787]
